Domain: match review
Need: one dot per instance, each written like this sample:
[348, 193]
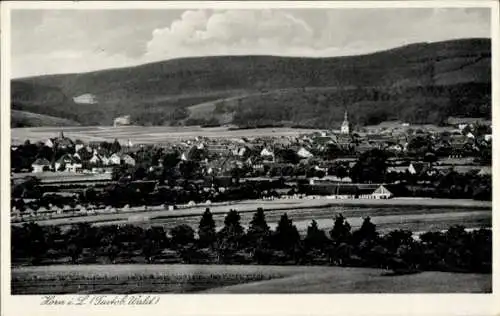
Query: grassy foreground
[180, 278]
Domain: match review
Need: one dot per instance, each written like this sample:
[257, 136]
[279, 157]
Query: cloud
[200, 32]
[342, 32]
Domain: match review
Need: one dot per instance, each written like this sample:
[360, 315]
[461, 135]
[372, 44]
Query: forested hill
[422, 82]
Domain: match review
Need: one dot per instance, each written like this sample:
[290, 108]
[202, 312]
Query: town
[63, 177]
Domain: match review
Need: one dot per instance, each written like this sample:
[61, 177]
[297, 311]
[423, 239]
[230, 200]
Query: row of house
[351, 191]
[74, 163]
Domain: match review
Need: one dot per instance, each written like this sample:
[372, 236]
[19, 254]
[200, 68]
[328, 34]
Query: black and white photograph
[259, 150]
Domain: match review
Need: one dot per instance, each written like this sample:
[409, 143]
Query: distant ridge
[423, 82]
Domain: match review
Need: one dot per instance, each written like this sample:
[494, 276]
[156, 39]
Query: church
[345, 128]
[344, 139]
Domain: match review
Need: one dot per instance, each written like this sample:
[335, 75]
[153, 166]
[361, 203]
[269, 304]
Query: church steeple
[345, 129]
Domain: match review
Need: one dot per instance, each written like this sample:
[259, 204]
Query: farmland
[476, 212]
[178, 278]
[144, 135]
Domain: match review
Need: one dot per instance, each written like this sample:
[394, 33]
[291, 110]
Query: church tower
[344, 129]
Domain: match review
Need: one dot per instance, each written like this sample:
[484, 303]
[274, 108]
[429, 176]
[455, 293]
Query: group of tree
[453, 250]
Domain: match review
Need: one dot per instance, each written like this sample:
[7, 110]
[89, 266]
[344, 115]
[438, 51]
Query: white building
[86, 98]
[40, 165]
[114, 159]
[345, 129]
[382, 193]
[304, 153]
[122, 120]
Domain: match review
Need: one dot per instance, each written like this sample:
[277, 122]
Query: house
[470, 135]
[49, 143]
[304, 153]
[267, 154]
[241, 151]
[114, 159]
[416, 168]
[485, 171]
[193, 153]
[96, 159]
[121, 121]
[68, 163]
[86, 98]
[462, 126]
[382, 193]
[40, 165]
[78, 147]
[128, 160]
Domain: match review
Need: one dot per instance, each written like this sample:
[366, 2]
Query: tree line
[453, 250]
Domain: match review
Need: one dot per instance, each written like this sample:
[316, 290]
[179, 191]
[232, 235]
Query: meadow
[145, 135]
[182, 278]
[302, 210]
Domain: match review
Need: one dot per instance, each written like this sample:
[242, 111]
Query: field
[304, 210]
[56, 177]
[24, 118]
[144, 135]
[128, 279]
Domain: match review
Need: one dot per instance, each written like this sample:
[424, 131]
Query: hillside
[28, 119]
[422, 82]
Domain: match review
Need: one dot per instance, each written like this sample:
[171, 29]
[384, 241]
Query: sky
[67, 41]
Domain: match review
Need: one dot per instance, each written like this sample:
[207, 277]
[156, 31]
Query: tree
[188, 168]
[31, 240]
[206, 229]
[419, 145]
[287, 155]
[230, 237]
[182, 235]
[115, 146]
[341, 231]
[258, 232]
[370, 167]
[367, 232]
[315, 238]
[286, 236]
[339, 169]
[80, 236]
[155, 238]
[430, 157]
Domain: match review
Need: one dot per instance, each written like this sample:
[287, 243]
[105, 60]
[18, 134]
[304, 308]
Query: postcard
[295, 158]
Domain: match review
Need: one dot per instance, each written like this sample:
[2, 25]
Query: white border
[352, 304]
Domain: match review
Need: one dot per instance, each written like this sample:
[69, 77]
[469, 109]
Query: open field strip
[314, 206]
[145, 135]
[414, 220]
[180, 278]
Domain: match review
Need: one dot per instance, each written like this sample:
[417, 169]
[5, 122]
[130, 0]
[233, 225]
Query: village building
[485, 171]
[127, 160]
[267, 154]
[304, 153]
[114, 159]
[382, 193]
[40, 165]
[68, 163]
[96, 159]
[86, 98]
[345, 128]
[122, 121]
